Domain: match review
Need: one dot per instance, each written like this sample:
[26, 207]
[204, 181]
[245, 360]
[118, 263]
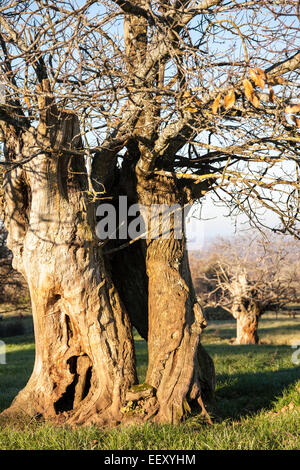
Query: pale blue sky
[214, 223]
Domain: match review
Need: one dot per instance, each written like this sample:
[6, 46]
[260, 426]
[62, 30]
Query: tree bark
[84, 360]
[247, 324]
[246, 329]
[180, 371]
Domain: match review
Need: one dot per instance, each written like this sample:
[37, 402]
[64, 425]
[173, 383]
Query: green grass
[257, 404]
[19, 363]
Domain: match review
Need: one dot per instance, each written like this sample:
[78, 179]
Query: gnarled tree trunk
[246, 329]
[84, 360]
[84, 369]
[179, 369]
[247, 323]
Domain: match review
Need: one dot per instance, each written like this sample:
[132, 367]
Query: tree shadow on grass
[265, 328]
[224, 330]
[243, 392]
[14, 374]
[15, 326]
[251, 392]
[245, 382]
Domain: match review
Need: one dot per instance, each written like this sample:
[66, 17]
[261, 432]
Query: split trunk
[84, 302]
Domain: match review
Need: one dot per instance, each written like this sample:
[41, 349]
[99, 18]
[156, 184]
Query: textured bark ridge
[246, 310]
[180, 372]
[247, 324]
[84, 348]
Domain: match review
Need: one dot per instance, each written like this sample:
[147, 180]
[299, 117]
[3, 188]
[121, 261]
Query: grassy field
[257, 404]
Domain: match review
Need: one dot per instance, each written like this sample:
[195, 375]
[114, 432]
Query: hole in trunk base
[80, 367]
[65, 402]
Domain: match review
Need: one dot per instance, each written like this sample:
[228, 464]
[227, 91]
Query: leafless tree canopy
[206, 91]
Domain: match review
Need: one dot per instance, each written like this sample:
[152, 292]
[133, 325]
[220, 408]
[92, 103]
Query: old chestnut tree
[160, 102]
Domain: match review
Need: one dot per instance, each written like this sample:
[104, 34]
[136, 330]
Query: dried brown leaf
[191, 101]
[258, 75]
[216, 104]
[260, 72]
[229, 99]
[296, 120]
[276, 80]
[27, 101]
[192, 110]
[280, 80]
[187, 95]
[293, 109]
[249, 92]
[256, 102]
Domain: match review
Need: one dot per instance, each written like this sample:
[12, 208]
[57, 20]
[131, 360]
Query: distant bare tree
[249, 276]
